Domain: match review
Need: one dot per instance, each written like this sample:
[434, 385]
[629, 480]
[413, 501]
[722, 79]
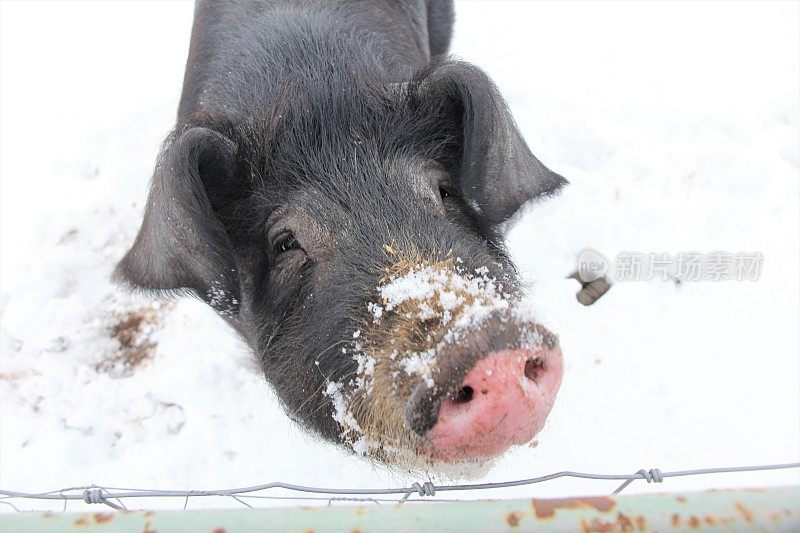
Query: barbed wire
[94, 494]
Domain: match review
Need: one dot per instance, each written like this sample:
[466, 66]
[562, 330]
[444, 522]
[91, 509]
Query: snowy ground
[677, 125]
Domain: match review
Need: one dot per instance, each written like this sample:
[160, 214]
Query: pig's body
[320, 161]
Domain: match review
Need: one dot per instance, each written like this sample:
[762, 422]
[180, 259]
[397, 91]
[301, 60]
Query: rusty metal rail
[772, 509]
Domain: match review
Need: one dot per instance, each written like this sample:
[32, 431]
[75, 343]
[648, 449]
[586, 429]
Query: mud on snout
[451, 368]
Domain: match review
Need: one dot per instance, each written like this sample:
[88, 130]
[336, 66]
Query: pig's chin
[510, 394]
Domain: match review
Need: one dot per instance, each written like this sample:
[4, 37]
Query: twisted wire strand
[94, 494]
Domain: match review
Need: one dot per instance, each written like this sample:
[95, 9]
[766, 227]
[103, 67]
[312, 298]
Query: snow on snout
[461, 301]
[440, 303]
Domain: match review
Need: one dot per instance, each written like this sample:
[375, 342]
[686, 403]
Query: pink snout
[504, 401]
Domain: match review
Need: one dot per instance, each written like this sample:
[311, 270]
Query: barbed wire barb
[95, 495]
[426, 489]
[652, 476]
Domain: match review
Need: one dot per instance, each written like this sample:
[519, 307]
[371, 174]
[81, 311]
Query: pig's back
[244, 52]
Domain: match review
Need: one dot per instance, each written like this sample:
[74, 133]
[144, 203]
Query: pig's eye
[286, 242]
[446, 192]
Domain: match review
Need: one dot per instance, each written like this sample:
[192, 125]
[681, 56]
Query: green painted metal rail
[773, 509]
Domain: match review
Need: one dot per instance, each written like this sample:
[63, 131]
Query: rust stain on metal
[694, 522]
[625, 521]
[710, 520]
[744, 511]
[356, 530]
[219, 530]
[513, 518]
[360, 510]
[149, 514]
[622, 523]
[681, 499]
[147, 528]
[547, 508]
[676, 520]
[81, 521]
[102, 518]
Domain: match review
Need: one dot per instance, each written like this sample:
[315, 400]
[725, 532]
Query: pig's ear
[497, 171]
[182, 246]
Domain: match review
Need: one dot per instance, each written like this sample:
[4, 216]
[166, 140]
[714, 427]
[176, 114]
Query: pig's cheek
[287, 270]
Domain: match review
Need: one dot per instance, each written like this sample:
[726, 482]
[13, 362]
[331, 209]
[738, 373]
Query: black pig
[335, 188]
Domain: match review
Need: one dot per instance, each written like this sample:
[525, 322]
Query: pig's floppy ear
[182, 246]
[498, 172]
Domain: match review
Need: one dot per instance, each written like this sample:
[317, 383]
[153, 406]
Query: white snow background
[676, 123]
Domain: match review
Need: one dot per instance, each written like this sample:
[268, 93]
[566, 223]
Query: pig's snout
[503, 400]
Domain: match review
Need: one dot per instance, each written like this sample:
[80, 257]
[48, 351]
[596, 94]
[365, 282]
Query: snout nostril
[464, 395]
[534, 369]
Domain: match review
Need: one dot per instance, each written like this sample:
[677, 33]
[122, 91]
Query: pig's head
[352, 234]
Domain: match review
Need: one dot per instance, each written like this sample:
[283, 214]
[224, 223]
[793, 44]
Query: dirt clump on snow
[135, 333]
